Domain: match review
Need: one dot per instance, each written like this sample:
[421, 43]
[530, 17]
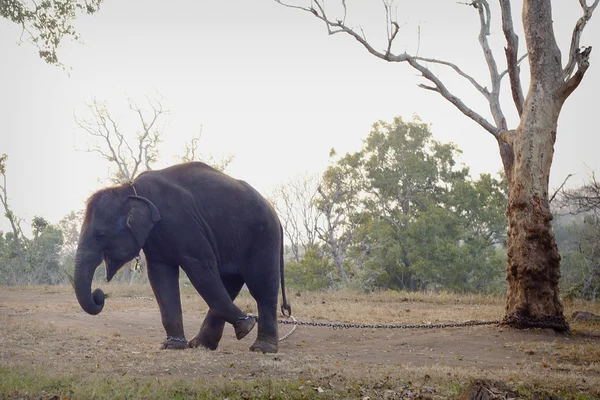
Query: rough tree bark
[533, 263]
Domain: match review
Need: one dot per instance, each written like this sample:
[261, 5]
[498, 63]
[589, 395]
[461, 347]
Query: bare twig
[560, 187]
[459, 71]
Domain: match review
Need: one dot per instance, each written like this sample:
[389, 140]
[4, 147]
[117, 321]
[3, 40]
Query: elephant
[218, 229]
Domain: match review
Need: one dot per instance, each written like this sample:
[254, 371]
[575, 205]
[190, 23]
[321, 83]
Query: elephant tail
[286, 309]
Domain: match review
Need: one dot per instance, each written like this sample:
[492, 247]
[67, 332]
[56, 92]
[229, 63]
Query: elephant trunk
[85, 266]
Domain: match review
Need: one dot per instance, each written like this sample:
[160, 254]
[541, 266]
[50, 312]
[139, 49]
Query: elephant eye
[99, 236]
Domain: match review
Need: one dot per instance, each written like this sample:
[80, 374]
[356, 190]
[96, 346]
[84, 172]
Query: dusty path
[48, 329]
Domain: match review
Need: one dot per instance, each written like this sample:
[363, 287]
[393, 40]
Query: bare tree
[15, 222]
[337, 232]
[586, 200]
[192, 153]
[297, 209]
[130, 157]
[533, 262]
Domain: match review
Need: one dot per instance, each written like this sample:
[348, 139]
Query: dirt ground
[47, 329]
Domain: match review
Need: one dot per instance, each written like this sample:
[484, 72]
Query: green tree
[428, 225]
[338, 203]
[47, 23]
[314, 271]
[43, 254]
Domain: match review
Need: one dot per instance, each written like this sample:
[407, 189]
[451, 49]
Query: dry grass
[55, 349]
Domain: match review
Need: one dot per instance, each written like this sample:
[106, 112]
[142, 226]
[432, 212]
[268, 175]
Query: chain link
[138, 298]
[176, 339]
[287, 335]
[343, 325]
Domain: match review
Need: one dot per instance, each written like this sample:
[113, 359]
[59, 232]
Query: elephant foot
[261, 346]
[174, 343]
[244, 325]
[202, 340]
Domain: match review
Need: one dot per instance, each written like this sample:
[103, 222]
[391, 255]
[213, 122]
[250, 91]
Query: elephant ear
[143, 214]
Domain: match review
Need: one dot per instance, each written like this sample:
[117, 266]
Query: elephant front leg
[208, 283]
[164, 280]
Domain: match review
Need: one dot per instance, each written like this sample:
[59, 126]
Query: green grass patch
[25, 384]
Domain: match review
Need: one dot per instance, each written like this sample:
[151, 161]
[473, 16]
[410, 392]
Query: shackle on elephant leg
[244, 325]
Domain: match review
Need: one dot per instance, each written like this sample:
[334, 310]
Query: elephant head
[114, 230]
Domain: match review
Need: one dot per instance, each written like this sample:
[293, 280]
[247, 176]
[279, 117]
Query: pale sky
[267, 84]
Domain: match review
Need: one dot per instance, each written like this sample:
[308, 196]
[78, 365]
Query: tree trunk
[533, 264]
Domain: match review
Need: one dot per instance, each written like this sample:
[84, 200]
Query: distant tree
[295, 202]
[313, 271]
[70, 226]
[338, 203]
[128, 153]
[43, 254]
[533, 261]
[15, 222]
[424, 222]
[47, 23]
[580, 242]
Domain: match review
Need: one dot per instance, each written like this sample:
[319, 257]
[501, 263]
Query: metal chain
[558, 323]
[343, 325]
[287, 335]
[139, 298]
[176, 339]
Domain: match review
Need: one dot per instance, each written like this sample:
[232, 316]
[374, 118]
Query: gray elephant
[221, 232]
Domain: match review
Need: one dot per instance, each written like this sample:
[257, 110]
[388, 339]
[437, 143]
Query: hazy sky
[267, 84]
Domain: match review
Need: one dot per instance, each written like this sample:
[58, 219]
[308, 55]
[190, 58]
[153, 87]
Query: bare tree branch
[583, 199]
[583, 63]
[560, 188]
[115, 147]
[192, 153]
[511, 51]
[519, 61]
[339, 26]
[458, 103]
[576, 36]
[485, 17]
[455, 67]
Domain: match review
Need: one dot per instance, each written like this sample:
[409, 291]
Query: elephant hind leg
[267, 340]
[262, 279]
[211, 331]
